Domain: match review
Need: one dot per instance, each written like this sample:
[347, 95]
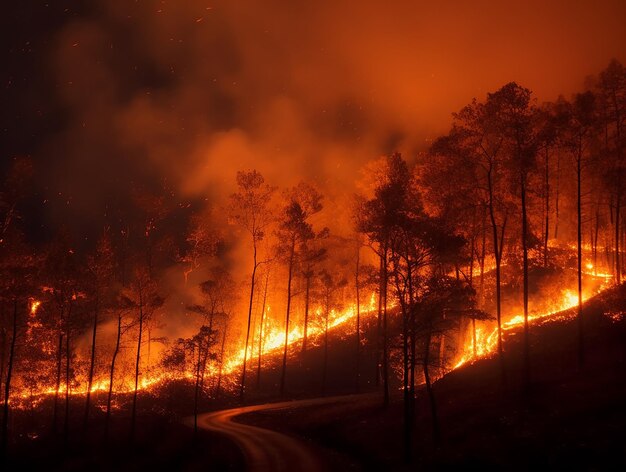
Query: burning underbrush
[464, 344]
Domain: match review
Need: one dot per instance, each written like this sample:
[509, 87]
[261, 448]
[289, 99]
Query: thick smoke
[190, 92]
[193, 91]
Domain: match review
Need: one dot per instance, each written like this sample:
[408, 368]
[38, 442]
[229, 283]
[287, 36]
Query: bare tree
[612, 97]
[219, 296]
[143, 298]
[250, 210]
[261, 328]
[330, 285]
[116, 350]
[65, 290]
[101, 271]
[202, 243]
[295, 230]
[515, 114]
[581, 119]
[375, 217]
[17, 271]
[475, 144]
[311, 254]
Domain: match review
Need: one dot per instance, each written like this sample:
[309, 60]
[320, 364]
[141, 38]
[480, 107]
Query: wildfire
[487, 339]
[274, 334]
[272, 344]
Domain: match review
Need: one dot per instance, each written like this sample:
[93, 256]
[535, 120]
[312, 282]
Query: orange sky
[195, 90]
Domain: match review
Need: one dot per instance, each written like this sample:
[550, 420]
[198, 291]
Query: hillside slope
[573, 418]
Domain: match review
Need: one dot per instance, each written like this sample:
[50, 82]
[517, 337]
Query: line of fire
[458, 302]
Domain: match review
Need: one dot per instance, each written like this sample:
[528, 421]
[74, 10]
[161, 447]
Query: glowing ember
[34, 306]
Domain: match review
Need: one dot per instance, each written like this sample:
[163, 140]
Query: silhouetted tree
[516, 116]
[581, 120]
[250, 210]
[202, 243]
[475, 145]
[262, 327]
[612, 98]
[65, 289]
[375, 217]
[101, 278]
[330, 285]
[312, 253]
[294, 231]
[202, 342]
[443, 299]
[219, 296]
[18, 267]
[121, 310]
[143, 298]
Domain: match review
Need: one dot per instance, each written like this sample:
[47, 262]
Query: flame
[487, 339]
[273, 339]
[34, 306]
[274, 334]
[272, 344]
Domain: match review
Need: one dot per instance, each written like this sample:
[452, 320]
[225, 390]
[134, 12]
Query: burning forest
[411, 271]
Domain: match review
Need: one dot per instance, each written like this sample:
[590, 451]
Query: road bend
[266, 450]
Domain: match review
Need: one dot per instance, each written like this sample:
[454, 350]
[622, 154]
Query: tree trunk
[405, 383]
[205, 357]
[547, 190]
[258, 369]
[618, 196]
[286, 344]
[3, 352]
[219, 372]
[607, 253]
[91, 365]
[595, 240]
[245, 352]
[471, 284]
[385, 335]
[55, 410]
[622, 245]
[404, 288]
[379, 319]
[149, 344]
[196, 395]
[556, 196]
[137, 361]
[618, 268]
[68, 357]
[429, 390]
[526, 369]
[358, 319]
[581, 352]
[111, 377]
[497, 249]
[307, 295]
[325, 368]
[481, 297]
[7, 385]
[413, 342]
[412, 359]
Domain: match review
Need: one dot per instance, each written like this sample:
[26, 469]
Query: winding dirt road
[266, 450]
